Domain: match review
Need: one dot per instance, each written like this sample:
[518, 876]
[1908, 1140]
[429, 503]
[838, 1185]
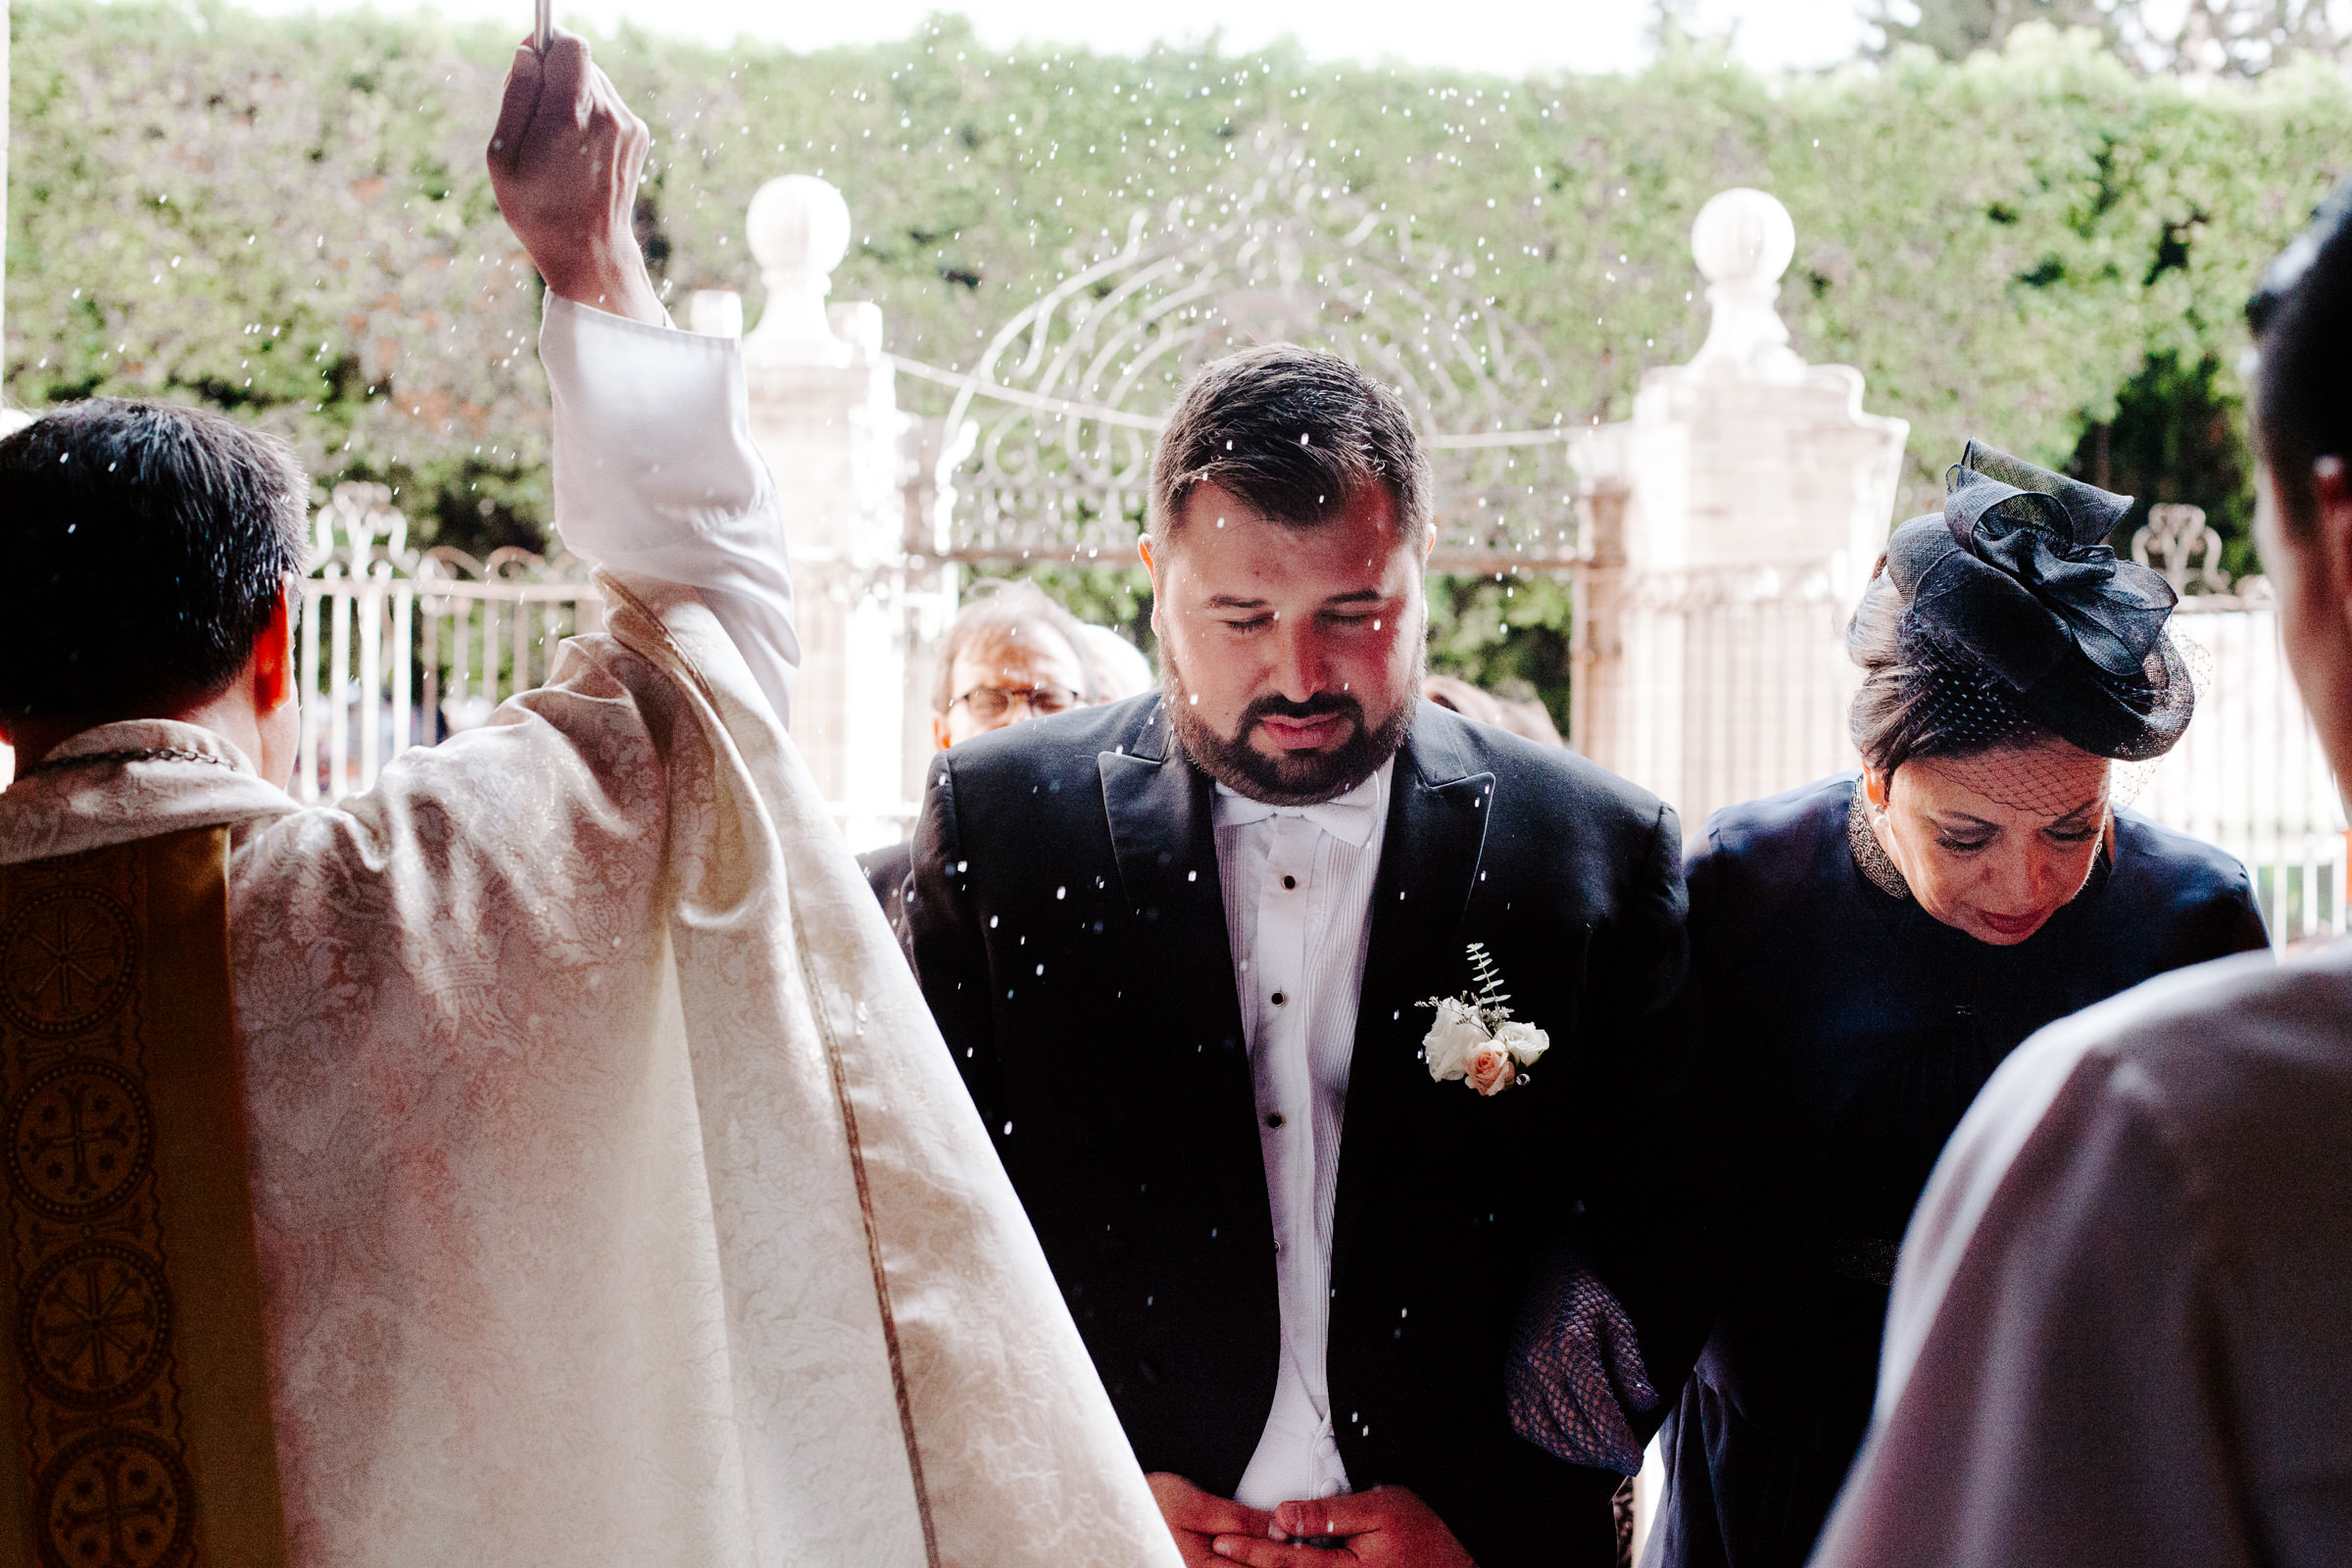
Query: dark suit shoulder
[2155, 862]
[1060, 748]
[1449, 746]
[1781, 850]
[1776, 838]
[887, 869]
[1794, 821]
[2194, 898]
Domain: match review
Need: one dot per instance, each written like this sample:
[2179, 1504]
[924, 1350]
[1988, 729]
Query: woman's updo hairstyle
[2302, 321]
[1896, 713]
[2006, 621]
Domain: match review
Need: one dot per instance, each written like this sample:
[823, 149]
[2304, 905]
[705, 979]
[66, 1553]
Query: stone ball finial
[1743, 240]
[799, 227]
[1742, 236]
[799, 224]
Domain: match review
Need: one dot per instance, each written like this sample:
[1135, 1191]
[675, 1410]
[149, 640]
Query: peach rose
[1490, 1068]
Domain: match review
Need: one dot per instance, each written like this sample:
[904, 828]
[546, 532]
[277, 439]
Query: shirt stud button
[1273, 1118]
[1278, 998]
[1290, 881]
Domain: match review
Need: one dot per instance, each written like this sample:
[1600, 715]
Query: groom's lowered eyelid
[1364, 598]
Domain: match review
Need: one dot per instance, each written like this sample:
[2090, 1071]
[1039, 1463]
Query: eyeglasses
[988, 704]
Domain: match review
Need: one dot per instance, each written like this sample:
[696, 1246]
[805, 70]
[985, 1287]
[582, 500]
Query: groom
[1179, 946]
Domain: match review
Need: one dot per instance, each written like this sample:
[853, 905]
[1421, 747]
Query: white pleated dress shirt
[1298, 885]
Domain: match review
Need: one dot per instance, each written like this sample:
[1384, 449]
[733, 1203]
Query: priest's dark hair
[142, 547]
[2302, 321]
[1294, 433]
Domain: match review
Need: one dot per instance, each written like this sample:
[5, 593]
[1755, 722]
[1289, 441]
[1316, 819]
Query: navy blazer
[1069, 932]
[1853, 1030]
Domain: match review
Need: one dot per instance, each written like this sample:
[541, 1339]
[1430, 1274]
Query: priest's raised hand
[565, 162]
[542, 1156]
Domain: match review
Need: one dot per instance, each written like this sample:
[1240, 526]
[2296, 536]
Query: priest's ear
[272, 671]
[268, 680]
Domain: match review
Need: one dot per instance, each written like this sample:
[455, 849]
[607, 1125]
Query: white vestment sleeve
[656, 473]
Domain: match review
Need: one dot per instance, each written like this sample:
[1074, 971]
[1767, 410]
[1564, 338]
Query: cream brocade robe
[616, 1200]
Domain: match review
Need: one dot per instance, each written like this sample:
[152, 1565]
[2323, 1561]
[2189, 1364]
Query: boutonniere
[1474, 1037]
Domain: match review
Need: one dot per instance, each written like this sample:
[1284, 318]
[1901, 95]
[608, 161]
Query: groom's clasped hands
[1375, 1527]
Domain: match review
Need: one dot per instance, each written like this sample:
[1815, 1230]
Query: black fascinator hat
[2017, 620]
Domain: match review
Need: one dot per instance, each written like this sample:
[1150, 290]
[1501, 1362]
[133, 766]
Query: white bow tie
[1349, 817]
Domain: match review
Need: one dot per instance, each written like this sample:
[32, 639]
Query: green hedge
[289, 219]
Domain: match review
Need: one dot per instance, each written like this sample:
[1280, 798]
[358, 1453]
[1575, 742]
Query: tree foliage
[2190, 37]
[290, 220]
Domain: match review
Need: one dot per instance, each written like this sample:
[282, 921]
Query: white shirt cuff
[656, 473]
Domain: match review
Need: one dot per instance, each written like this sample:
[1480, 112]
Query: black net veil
[2025, 653]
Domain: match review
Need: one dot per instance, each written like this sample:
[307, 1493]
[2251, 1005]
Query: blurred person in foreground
[1870, 948]
[1183, 948]
[1009, 655]
[2122, 1329]
[543, 1158]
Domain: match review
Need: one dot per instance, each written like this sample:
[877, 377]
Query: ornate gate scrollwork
[1049, 439]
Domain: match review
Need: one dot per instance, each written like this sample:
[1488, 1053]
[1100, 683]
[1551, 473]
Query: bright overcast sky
[1509, 36]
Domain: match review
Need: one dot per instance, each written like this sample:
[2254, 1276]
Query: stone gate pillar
[825, 414]
[1731, 525]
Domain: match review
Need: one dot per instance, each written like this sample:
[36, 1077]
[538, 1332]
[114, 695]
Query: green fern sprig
[1489, 994]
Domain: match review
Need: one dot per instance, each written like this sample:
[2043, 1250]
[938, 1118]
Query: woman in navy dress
[1870, 948]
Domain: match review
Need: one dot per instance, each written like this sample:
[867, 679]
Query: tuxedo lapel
[1429, 860]
[1163, 838]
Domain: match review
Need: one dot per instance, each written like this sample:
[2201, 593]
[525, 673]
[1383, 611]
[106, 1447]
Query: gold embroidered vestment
[135, 1409]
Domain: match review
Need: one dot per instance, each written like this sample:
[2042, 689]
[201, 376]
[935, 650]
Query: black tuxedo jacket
[890, 872]
[1070, 935]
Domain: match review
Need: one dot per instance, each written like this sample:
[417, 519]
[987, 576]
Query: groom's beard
[1290, 778]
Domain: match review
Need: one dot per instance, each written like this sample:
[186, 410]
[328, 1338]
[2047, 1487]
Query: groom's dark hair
[1294, 433]
[142, 546]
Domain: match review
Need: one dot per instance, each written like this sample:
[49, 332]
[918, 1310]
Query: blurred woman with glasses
[1009, 655]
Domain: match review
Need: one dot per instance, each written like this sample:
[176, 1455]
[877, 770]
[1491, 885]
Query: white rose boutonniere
[1450, 1040]
[1475, 1038]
